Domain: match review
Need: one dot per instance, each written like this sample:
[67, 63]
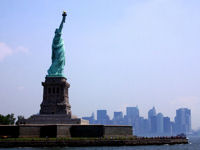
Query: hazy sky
[118, 54]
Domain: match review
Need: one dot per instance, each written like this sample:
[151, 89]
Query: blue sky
[118, 54]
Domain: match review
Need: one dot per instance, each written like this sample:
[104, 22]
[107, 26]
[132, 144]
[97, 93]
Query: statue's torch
[64, 15]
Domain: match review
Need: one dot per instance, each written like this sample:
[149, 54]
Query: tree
[7, 120]
[20, 120]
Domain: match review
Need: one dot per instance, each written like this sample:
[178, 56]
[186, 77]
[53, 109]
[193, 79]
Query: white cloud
[22, 49]
[20, 88]
[6, 50]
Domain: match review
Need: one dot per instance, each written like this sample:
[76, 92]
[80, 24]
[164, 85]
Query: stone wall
[117, 130]
[9, 131]
[29, 131]
[65, 131]
[87, 131]
[48, 131]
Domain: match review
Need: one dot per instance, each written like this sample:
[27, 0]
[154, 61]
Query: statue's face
[57, 32]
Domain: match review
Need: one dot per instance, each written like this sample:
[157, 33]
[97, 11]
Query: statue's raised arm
[63, 20]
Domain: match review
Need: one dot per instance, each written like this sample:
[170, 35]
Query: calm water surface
[194, 145]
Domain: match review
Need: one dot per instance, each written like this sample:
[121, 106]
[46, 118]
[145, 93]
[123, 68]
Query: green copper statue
[58, 53]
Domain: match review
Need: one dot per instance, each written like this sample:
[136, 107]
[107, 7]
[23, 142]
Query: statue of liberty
[58, 52]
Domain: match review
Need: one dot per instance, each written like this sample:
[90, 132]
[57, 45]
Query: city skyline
[156, 124]
[145, 114]
[118, 54]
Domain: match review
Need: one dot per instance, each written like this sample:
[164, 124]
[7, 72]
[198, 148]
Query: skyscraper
[151, 113]
[159, 122]
[143, 126]
[183, 121]
[118, 118]
[132, 113]
[132, 118]
[118, 115]
[167, 126]
[152, 120]
[102, 117]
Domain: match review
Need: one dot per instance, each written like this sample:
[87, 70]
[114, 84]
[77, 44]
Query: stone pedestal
[55, 107]
[55, 96]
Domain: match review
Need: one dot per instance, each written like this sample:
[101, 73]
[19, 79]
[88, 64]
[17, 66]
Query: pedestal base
[55, 119]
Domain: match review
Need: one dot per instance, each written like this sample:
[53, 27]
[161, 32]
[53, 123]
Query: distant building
[152, 123]
[183, 121]
[159, 122]
[152, 113]
[91, 119]
[167, 126]
[143, 127]
[145, 130]
[118, 115]
[132, 118]
[131, 114]
[118, 118]
[102, 117]
[173, 128]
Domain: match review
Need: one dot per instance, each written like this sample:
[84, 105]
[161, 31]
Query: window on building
[49, 90]
[57, 90]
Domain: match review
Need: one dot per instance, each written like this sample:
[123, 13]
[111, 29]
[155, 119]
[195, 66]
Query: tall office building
[143, 126]
[173, 128]
[132, 113]
[167, 125]
[151, 113]
[152, 123]
[118, 118]
[102, 117]
[132, 118]
[118, 115]
[159, 122]
[183, 121]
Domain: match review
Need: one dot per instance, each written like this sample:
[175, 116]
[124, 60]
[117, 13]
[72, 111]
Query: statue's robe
[58, 56]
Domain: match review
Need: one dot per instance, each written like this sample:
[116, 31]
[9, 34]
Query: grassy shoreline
[79, 142]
